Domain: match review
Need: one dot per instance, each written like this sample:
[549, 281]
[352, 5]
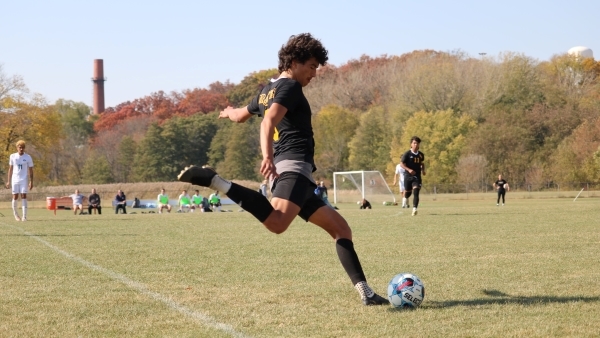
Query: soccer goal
[353, 186]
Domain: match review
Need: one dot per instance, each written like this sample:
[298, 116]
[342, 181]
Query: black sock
[416, 199]
[349, 260]
[407, 194]
[251, 201]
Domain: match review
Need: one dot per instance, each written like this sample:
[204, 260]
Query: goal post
[352, 186]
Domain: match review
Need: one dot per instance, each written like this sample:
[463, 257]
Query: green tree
[242, 94]
[443, 135]
[168, 148]
[125, 158]
[333, 129]
[242, 153]
[149, 159]
[508, 147]
[218, 145]
[96, 170]
[370, 146]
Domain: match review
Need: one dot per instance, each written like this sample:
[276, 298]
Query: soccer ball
[406, 291]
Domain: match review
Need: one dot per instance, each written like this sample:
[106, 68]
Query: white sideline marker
[578, 194]
[197, 316]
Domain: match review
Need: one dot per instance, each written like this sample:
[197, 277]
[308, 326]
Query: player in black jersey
[502, 186]
[287, 145]
[412, 162]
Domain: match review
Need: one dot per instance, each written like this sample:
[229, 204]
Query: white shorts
[20, 187]
[401, 183]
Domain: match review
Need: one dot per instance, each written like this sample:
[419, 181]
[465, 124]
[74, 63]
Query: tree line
[533, 121]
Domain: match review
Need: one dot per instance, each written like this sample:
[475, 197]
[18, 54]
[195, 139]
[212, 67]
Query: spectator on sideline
[163, 201]
[197, 201]
[94, 203]
[184, 201]
[19, 165]
[205, 205]
[121, 202]
[321, 192]
[77, 201]
[215, 201]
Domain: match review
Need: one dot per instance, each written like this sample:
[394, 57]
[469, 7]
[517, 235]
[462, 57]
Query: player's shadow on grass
[498, 297]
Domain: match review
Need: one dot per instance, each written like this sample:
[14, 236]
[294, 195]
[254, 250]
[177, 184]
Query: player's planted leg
[350, 262]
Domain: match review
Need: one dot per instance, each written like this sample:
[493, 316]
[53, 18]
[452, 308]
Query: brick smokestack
[98, 81]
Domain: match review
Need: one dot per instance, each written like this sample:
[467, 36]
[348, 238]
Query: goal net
[353, 186]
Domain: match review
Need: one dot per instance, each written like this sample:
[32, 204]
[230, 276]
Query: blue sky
[175, 45]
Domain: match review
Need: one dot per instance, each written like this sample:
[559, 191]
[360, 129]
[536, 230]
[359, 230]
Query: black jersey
[293, 138]
[500, 184]
[413, 161]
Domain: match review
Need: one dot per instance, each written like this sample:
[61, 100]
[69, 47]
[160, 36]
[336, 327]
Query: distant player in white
[20, 177]
[400, 174]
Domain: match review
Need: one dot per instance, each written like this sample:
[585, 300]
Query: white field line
[141, 288]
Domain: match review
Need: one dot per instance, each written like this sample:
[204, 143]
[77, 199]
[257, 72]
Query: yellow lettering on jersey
[276, 134]
[264, 98]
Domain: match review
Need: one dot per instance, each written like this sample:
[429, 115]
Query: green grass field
[527, 269]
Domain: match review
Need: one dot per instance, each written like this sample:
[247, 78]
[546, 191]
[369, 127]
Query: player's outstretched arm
[238, 115]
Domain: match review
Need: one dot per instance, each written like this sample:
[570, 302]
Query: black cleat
[197, 176]
[375, 300]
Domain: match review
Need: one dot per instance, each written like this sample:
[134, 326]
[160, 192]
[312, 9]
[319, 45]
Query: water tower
[581, 52]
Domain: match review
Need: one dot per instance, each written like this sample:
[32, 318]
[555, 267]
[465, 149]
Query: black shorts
[411, 182]
[298, 189]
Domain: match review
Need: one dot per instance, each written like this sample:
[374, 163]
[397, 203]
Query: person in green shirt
[163, 201]
[185, 202]
[215, 201]
[197, 201]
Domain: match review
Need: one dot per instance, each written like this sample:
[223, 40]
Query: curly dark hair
[301, 48]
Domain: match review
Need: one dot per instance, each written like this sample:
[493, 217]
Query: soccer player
[412, 162]
[184, 201]
[287, 146]
[502, 186]
[20, 178]
[215, 201]
[197, 201]
[163, 201]
[399, 173]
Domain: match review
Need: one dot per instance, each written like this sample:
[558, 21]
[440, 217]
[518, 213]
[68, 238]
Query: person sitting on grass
[163, 201]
